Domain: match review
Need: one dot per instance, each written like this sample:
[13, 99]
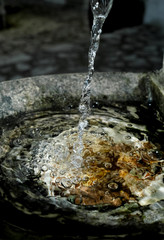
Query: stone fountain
[25, 202]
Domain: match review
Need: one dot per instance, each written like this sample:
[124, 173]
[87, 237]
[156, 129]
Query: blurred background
[52, 36]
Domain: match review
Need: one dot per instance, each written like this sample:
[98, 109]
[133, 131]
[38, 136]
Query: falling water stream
[100, 9]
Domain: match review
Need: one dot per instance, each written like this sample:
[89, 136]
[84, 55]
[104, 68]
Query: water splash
[100, 9]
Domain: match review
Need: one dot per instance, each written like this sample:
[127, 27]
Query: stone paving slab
[21, 57]
[53, 44]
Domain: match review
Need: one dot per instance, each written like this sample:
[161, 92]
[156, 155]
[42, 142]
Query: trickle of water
[100, 9]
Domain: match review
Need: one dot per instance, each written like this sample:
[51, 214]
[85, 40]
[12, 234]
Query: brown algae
[112, 173]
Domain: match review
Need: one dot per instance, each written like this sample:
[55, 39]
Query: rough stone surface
[57, 90]
[157, 86]
[42, 92]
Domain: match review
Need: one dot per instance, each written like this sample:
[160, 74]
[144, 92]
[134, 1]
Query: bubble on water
[107, 193]
[128, 137]
[44, 168]
[66, 183]
[113, 186]
[77, 161]
[62, 172]
[36, 171]
[57, 180]
[108, 165]
[53, 173]
[75, 180]
[85, 178]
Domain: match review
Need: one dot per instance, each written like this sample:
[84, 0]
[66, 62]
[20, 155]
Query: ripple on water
[117, 165]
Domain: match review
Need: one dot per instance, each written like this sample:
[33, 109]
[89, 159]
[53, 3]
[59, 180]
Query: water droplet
[98, 38]
[150, 104]
[83, 125]
[97, 5]
[95, 104]
[82, 108]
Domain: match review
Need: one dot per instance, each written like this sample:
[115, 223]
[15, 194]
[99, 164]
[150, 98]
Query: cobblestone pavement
[39, 44]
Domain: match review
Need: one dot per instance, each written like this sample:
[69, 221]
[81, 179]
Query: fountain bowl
[32, 212]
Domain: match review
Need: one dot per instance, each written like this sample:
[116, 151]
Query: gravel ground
[43, 42]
